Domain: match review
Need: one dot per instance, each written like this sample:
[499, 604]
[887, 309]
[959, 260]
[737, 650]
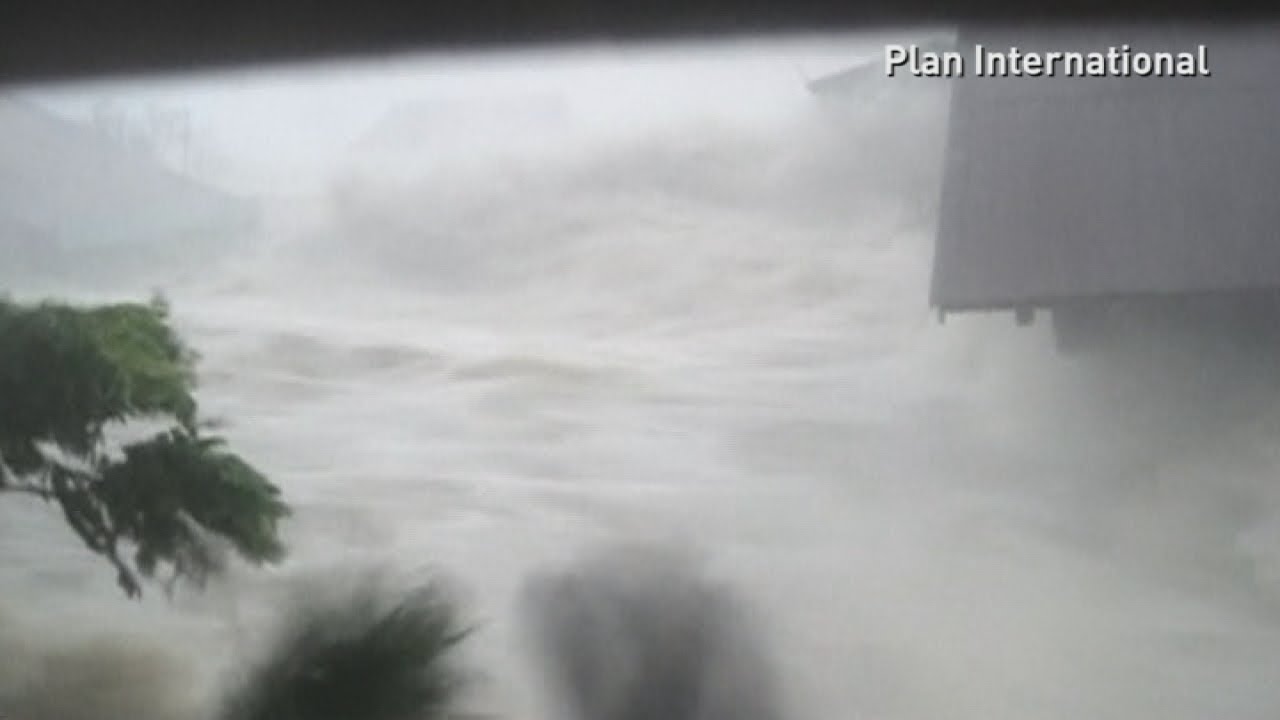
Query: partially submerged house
[1090, 197]
[1079, 195]
[73, 200]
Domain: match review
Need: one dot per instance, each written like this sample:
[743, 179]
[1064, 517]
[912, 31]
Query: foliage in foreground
[67, 376]
[359, 657]
[642, 633]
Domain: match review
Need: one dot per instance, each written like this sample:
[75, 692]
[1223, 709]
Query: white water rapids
[684, 301]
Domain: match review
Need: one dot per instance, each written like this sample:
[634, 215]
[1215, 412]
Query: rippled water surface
[679, 299]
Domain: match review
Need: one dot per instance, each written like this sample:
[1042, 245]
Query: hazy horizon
[565, 300]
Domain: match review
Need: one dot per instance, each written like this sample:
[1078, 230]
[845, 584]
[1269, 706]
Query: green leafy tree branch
[67, 375]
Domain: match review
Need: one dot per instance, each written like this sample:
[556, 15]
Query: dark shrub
[363, 656]
[641, 634]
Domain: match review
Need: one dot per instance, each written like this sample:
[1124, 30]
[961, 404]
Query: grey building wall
[1061, 188]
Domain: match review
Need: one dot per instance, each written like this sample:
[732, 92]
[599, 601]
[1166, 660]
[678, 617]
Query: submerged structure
[72, 199]
[1104, 198]
[1091, 197]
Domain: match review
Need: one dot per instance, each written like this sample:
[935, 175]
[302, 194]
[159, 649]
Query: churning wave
[709, 328]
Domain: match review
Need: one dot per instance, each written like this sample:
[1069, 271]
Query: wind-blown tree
[374, 652]
[72, 376]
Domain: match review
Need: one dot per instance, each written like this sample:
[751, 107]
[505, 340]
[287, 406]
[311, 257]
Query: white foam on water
[669, 296]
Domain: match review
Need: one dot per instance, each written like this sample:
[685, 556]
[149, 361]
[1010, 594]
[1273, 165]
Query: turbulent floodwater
[487, 352]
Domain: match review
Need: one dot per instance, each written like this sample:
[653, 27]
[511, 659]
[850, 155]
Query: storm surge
[667, 296]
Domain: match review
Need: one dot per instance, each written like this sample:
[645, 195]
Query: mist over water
[674, 299]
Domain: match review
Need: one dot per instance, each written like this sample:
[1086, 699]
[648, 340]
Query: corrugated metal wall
[1063, 187]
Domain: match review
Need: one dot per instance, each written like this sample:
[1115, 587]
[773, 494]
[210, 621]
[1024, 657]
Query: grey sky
[282, 126]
